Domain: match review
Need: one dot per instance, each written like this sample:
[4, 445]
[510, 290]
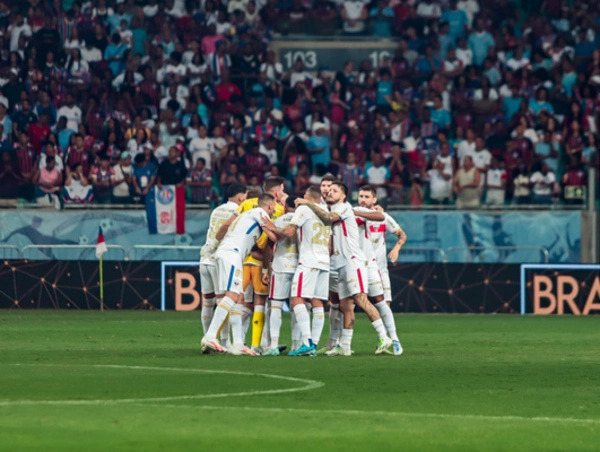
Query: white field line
[310, 384]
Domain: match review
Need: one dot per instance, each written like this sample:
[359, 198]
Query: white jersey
[244, 232]
[218, 216]
[377, 231]
[313, 239]
[364, 241]
[285, 257]
[345, 237]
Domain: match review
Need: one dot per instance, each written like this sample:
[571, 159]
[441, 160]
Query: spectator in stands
[574, 182]
[144, 178]
[200, 181]
[543, 185]
[10, 177]
[466, 185]
[354, 14]
[495, 184]
[440, 177]
[103, 178]
[319, 145]
[378, 176]
[172, 171]
[77, 187]
[121, 192]
[48, 181]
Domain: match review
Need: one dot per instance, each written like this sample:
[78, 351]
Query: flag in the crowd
[100, 244]
[165, 209]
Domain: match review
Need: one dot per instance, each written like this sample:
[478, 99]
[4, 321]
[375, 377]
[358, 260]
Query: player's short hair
[290, 202]
[342, 186]
[265, 199]
[253, 194]
[314, 192]
[235, 189]
[369, 188]
[273, 182]
[329, 177]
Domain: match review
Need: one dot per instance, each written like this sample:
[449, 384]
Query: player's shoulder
[247, 205]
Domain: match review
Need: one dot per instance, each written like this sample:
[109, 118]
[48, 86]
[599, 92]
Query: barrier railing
[9, 252]
[87, 252]
[421, 254]
[498, 254]
[164, 252]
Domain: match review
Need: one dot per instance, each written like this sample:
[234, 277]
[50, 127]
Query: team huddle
[265, 249]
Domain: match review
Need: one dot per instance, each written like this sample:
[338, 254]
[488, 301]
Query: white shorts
[249, 294]
[387, 284]
[208, 279]
[353, 279]
[375, 288]
[280, 287]
[334, 276]
[229, 272]
[310, 283]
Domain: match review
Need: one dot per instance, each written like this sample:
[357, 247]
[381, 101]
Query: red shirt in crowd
[37, 135]
[226, 90]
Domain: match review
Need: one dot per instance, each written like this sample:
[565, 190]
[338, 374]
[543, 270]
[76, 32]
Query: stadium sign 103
[332, 55]
[560, 289]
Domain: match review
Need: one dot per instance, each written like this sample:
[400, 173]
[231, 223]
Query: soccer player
[283, 267]
[254, 268]
[349, 260]
[374, 240]
[236, 194]
[235, 247]
[311, 278]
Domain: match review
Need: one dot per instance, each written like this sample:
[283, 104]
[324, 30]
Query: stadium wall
[416, 288]
[511, 237]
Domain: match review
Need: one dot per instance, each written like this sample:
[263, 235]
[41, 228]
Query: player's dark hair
[314, 192]
[368, 188]
[253, 194]
[235, 189]
[265, 199]
[329, 177]
[290, 202]
[272, 182]
[342, 186]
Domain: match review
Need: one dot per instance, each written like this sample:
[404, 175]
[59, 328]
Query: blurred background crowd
[484, 102]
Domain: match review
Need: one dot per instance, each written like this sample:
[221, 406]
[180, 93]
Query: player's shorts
[253, 274]
[311, 283]
[333, 281]
[229, 272]
[387, 285]
[249, 294]
[375, 288]
[281, 286]
[208, 279]
[353, 279]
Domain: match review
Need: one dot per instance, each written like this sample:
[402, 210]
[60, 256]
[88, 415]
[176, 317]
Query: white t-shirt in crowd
[542, 185]
[122, 189]
[439, 188]
[73, 116]
[202, 148]
[495, 177]
[378, 176]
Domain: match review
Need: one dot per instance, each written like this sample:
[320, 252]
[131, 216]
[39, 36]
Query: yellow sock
[258, 324]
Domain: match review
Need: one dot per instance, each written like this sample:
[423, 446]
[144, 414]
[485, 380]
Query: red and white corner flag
[100, 244]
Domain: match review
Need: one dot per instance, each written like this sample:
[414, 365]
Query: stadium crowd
[484, 102]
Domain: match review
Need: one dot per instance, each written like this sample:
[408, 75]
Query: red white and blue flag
[165, 210]
[100, 244]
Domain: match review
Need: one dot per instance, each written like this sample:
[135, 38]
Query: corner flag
[101, 245]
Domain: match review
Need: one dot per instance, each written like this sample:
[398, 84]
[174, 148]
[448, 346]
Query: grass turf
[464, 383]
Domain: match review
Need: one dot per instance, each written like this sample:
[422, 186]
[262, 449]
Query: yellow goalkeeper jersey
[262, 241]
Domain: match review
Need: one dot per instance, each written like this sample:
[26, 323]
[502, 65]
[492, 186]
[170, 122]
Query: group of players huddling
[264, 249]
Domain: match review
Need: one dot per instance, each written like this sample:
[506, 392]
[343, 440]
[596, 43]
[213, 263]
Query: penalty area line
[481, 417]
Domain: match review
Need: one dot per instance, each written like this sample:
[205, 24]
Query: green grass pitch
[120, 381]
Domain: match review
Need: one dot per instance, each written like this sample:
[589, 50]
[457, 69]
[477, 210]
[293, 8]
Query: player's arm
[370, 215]
[325, 216]
[225, 227]
[395, 251]
[267, 261]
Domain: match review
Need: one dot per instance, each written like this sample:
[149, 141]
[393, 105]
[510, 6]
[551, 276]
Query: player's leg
[207, 283]
[347, 287]
[335, 316]
[279, 291]
[320, 294]
[386, 312]
[302, 286]
[248, 309]
[261, 291]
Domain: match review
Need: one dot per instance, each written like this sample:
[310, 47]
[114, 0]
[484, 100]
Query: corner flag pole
[101, 286]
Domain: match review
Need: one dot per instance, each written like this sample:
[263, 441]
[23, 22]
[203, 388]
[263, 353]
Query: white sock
[265, 339]
[335, 324]
[235, 320]
[303, 320]
[380, 328]
[246, 316]
[296, 335]
[225, 333]
[275, 323]
[388, 319]
[208, 308]
[346, 339]
[318, 322]
[221, 313]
